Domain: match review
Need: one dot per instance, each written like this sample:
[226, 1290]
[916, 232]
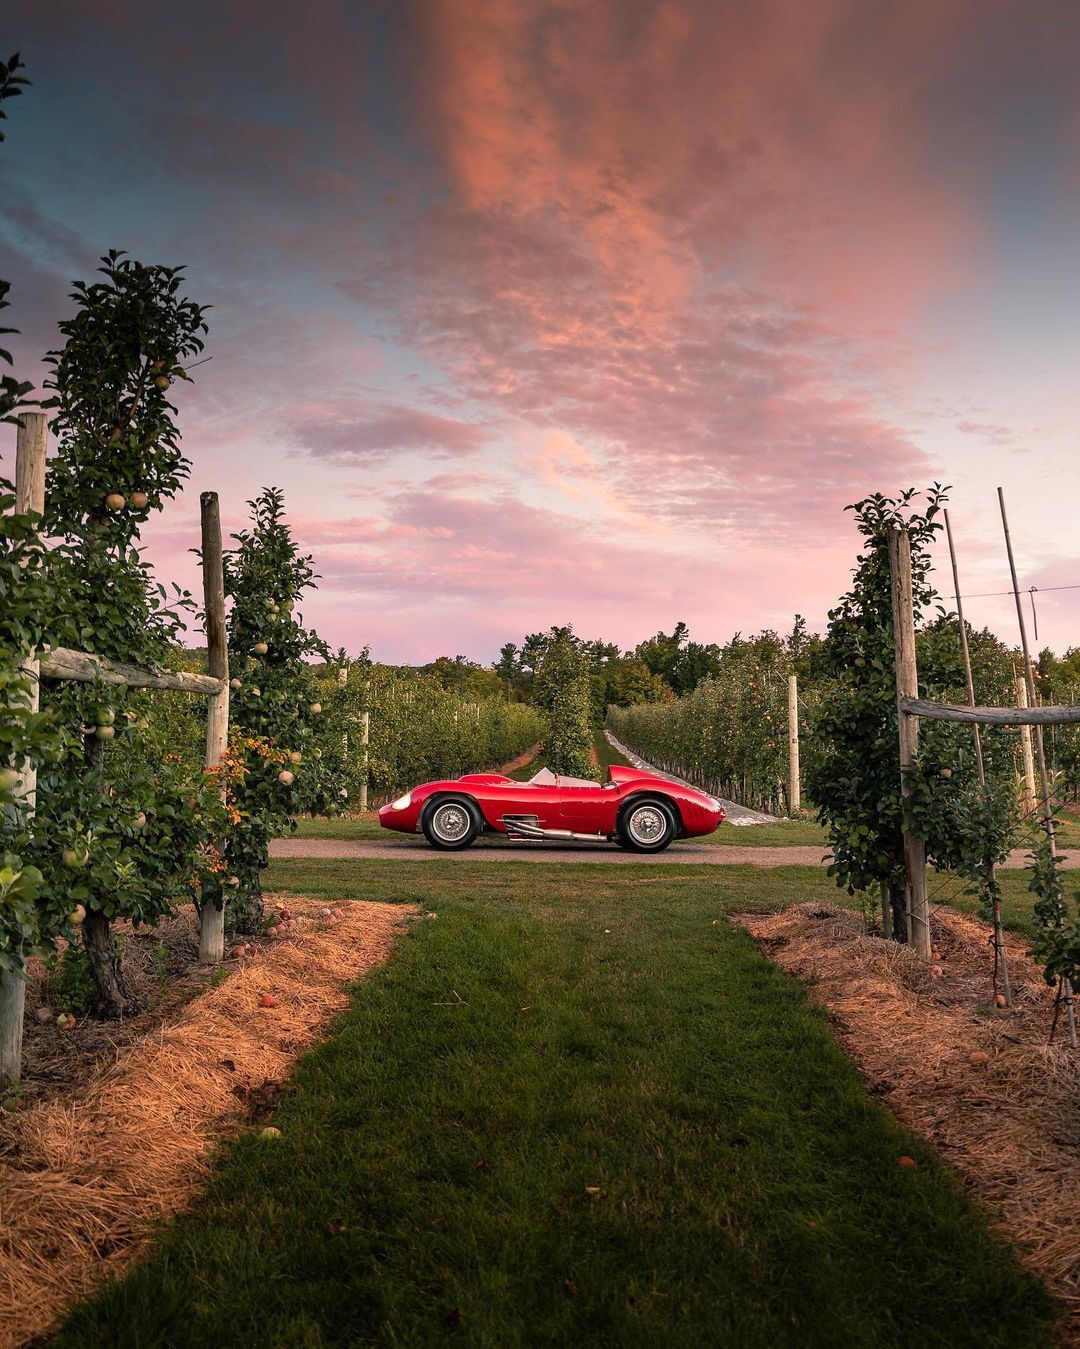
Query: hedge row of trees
[730, 734]
[419, 729]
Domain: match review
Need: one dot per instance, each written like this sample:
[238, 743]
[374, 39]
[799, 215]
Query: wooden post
[1028, 802]
[907, 684]
[212, 927]
[30, 444]
[1040, 754]
[794, 795]
[365, 735]
[1000, 962]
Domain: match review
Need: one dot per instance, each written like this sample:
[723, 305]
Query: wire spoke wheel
[647, 826]
[452, 824]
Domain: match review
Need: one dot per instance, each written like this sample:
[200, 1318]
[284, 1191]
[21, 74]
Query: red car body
[634, 808]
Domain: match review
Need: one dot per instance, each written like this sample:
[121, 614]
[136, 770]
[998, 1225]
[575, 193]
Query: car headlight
[402, 803]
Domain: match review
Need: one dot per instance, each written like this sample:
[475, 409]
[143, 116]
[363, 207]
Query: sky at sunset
[589, 311]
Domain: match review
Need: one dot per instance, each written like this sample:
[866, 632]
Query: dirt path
[402, 848]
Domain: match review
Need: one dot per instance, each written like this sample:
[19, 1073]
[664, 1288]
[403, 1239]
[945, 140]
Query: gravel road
[401, 848]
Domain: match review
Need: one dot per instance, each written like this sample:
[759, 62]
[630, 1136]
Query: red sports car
[635, 809]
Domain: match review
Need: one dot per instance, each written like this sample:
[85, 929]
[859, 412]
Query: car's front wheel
[647, 824]
[451, 823]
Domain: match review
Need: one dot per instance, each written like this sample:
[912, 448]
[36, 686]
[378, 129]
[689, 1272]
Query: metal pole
[1040, 756]
[988, 862]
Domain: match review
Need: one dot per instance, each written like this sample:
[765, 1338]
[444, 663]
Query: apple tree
[112, 821]
[854, 776]
[274, 704]
[31, 616]
[563, 690]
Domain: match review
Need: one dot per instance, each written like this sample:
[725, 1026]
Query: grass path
[577, 1108]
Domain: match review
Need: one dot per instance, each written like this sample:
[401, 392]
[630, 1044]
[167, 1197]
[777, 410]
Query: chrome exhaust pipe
[526, 829]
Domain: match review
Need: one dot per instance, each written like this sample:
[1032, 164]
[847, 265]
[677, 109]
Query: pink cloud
[354, 435]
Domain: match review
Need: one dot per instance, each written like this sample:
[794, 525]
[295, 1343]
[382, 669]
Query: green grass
[576, 1109]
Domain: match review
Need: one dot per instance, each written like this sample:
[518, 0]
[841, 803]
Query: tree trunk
[12, 1005]
[113, 996]
[245, 911]
[898, 906]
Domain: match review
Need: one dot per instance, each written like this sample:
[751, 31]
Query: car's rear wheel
[452, 823]
[647, 824]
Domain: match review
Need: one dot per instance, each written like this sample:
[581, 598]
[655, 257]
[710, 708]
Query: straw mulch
[84, 1174]
[1010, 1126]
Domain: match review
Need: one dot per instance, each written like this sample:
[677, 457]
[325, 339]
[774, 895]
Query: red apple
[268, 1000]
[116, 501]
[979, 1056]
[1000, 1000]
[315, 709]
[286, 778]
[162, 382]
[295, 756]
[44, 1014]
[105, 732]
[139, 500]
[238, 951]
[907, 1161]
[76, 857]
[77, 915]
[260, 648]
[234, 684]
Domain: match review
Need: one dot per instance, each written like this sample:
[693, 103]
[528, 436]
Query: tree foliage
[729, 734]
[854, 777]
[274, 708]
[117, 828]
[563, 690]
[420, 730]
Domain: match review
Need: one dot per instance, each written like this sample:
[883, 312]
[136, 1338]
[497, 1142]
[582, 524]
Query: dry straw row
[1010, 1125]
[85, 1176]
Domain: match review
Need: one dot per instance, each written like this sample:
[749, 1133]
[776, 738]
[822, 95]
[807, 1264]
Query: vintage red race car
[635, 809]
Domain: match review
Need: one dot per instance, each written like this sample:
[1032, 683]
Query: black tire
[452, 823]
[647, 824]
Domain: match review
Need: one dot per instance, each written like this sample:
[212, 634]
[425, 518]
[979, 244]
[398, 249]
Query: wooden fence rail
[990, 716]
[84, 666]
